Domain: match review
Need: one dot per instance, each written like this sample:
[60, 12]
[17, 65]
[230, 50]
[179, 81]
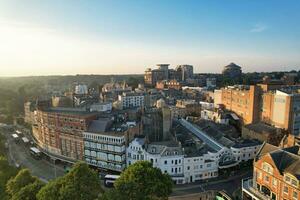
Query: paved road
[229, 185]
[19, 154]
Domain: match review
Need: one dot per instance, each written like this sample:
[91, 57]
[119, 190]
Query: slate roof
[164, 148]
[99, 126]
[286, 160]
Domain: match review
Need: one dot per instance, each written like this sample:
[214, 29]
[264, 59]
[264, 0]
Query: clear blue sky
[127, 36]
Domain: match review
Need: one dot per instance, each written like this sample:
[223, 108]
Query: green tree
[80, 183]
[141, 181]
[28, 192]
[111, 195]
[51, 191]
[6, 172]
[22, 179]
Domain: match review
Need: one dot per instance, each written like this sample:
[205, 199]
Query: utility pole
[55, 175]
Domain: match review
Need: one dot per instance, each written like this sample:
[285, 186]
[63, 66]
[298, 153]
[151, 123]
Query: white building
[214, 115]
[104, 149]
[200, 167]
[81, 89]
[131, 100]
[101, 107]
[206, 105]
[167, 156]
[246, 150]
[228, 153]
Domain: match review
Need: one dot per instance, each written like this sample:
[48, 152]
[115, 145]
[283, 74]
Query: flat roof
[15, 135]
[261, 127]
[69, 111]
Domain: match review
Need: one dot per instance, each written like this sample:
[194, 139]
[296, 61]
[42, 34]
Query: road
[45, 170]
[19, 154]
[229, 185]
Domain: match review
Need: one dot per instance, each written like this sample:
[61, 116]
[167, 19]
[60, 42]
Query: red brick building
[276, 174]
[60, 132]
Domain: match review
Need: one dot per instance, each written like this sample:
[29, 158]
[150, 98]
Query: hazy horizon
[127, 36]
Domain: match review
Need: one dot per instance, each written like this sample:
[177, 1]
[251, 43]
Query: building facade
[282, 109]
[29, 113]
[244, 101]
[276, 175]
[232, 71]
[105, 143]
[105, 150]
[167, 156]
[131, 100]
[60, 132]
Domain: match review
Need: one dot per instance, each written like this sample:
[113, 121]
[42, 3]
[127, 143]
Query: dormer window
[153, 150]
[267, 168]
[290, 179]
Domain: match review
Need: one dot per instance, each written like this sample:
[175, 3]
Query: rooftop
[261, 128]
[70, 111]
[99, 126]
[166, 148]
[287, 160]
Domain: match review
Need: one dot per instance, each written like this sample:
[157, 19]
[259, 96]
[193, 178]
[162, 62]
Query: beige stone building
[243, 100]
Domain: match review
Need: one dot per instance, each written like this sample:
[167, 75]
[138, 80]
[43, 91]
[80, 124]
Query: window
[259, 174]
[166, 162]
[274, 182]
[294, 183]
[267, 168]
[295, 195]
[286, 189]
[267, 179]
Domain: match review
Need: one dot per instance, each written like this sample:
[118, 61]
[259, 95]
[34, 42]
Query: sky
[59, 37]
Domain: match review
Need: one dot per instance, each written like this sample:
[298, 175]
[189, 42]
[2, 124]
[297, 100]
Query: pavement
[19, 155]
[229, 185]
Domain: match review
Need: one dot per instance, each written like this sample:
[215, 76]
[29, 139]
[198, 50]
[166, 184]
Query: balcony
[105, 151]
[247, 187]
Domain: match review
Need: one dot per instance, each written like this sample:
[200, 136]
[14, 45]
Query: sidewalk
[209, 182]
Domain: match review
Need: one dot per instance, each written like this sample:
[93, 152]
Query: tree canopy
[23, 186]
[80, 183]
[142, 181]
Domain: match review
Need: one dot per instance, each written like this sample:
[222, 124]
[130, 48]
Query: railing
[105, 151]
[247, 186]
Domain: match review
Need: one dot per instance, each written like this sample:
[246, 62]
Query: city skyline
[125, 37]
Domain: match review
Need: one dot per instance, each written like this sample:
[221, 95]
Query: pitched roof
[266, 148]
[286, 160]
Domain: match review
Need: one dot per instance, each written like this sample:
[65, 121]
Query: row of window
[104, 138]
[208, 165]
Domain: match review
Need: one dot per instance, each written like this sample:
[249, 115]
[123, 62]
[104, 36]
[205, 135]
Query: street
[19, 155]
[228, 185]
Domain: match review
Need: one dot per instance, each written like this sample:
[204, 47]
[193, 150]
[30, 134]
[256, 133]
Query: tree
[80, 183]
[22, 179]
[51, 190]
[6, 172]
[29, 192]
[142, 181]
